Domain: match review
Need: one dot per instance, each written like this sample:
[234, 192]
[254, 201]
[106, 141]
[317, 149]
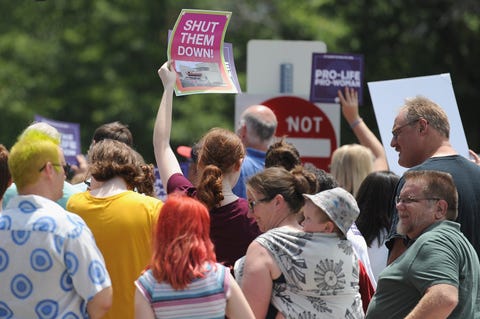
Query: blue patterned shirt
[50, 266]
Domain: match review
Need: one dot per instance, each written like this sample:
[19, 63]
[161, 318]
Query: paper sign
[389, 96]
[333, 72]
[230, 63]
[70, 133]
[195, 48]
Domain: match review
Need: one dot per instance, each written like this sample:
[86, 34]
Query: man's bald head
[262, 113]
[257, 127]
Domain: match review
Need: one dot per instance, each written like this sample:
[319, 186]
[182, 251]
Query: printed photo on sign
[333, 72]
[196, 50]
[196, 74]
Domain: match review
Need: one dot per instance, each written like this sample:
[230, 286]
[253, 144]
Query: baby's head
[332, 210]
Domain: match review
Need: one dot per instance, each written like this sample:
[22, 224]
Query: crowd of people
[250, 231]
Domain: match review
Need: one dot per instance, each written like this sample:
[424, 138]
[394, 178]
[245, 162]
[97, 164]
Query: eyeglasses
[396, 132]
[409, 200]
[251, 204]
[66, 167]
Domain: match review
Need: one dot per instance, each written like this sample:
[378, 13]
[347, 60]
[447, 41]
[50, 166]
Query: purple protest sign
[230, 63]
[333, 72]
[196, 49]
[70, 133]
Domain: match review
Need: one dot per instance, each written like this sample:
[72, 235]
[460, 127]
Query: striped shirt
[202, 298]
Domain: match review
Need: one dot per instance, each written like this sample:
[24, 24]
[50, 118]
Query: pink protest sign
[196, 49]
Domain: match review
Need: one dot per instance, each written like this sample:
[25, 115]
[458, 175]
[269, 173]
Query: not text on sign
[306, 126]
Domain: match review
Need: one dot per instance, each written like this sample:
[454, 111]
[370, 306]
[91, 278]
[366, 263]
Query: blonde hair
[32, 151]
[350, 164]
[44, 128]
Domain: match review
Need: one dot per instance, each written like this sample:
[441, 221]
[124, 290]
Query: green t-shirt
[441, 255]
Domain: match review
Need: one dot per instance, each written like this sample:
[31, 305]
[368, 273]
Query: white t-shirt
[361, 249]
[378, 254]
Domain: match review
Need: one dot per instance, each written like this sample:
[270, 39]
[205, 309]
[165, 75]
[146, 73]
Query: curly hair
[110, 158]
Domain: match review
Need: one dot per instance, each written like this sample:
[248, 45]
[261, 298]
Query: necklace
[281, 221]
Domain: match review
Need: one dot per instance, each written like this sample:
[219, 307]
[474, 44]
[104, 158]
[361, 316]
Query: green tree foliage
[94, 62]
[403, 39]
[91, 62]
[80, 61]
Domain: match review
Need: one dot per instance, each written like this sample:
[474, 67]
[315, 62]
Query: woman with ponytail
[219, 160]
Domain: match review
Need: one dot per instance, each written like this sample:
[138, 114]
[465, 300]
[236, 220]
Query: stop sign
[306, 126]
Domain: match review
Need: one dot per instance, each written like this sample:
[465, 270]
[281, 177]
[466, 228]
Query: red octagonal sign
[307, 127]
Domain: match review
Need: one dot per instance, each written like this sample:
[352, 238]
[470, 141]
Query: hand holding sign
[167, 75]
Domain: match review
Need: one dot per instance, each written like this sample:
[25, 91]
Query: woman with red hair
[184, 280]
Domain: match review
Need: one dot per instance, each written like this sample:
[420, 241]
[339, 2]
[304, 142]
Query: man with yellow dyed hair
[68, 189]
[50, 266]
